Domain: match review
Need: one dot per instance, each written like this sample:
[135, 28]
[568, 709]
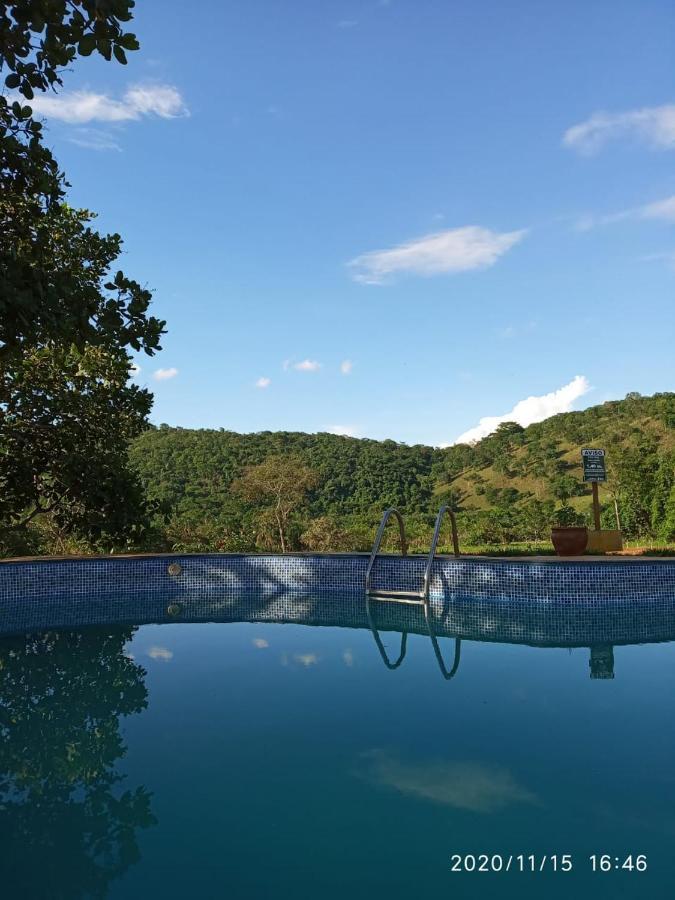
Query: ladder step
[397, 596]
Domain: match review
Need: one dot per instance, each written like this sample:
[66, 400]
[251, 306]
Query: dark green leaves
[87, 45]
[129, 42]
[67, 410]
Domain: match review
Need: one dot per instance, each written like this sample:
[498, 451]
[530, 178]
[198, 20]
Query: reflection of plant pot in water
[569, 541]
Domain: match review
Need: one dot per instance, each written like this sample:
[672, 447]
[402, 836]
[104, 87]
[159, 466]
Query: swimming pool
[195, 739]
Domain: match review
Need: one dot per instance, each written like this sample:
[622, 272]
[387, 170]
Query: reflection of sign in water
[602, 661]
[594, 465]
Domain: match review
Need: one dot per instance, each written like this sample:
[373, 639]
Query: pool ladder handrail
[434, 543]
[410, 596]
[392, 511]
[420, 598]
[404, 643]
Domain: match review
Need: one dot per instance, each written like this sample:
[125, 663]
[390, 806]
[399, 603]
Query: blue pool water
[259, 756]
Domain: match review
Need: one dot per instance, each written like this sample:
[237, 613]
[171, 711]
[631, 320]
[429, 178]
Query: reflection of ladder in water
[416, 598]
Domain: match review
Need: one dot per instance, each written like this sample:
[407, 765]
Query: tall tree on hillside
[280, 484]
[38, 40]
[664, 482]
[667, 524]
[67, 322]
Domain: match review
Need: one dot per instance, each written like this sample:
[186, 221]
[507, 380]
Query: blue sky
[392, 219]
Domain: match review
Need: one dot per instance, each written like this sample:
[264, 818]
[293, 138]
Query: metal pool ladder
[418, 598]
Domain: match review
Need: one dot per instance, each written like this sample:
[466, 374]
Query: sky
[406, 219]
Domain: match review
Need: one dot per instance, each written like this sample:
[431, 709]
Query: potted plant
[569, 537]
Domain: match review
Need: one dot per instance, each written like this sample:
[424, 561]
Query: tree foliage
[62, 697]
[38, 301]
[68, 319]
[188, 473]
[68, 416]
[280, 484]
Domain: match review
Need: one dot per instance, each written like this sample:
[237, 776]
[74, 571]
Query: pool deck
[615, 556]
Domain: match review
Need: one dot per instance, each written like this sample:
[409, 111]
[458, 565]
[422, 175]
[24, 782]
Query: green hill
[511, 486]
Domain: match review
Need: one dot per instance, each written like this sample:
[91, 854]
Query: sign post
[594, 472]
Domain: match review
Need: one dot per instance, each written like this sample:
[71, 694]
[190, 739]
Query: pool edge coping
[629, 559]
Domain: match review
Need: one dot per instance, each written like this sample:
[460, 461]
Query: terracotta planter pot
[569, 541]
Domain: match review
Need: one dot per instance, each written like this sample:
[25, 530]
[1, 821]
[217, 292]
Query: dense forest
[509, 487]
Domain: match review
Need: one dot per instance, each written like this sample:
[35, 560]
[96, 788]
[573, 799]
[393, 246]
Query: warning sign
[594, 465]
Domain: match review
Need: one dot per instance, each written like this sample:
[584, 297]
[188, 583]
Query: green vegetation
[67, 323]
[65, 695]
[220, 491]
[508, 489]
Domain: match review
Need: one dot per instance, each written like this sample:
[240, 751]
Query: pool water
[260, 760]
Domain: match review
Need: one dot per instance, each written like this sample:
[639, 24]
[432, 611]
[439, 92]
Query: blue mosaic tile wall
[500, 599]
[469, 576]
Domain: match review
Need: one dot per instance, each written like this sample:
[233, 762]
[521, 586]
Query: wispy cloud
[530, 410]
[513, 331]
[659, 210]
[162, 653]
[260, 643]
[307, 365]
[653, 125]
[165, 374]
[306, 659]
[455, 250]
[344, 430]
[134, 370]
[263, 382]
[667, 257]
[347, 23]
[79, 107]
[346, 366]
[469, 785]
[93, 139]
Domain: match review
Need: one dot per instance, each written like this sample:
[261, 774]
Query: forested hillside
[511, 486]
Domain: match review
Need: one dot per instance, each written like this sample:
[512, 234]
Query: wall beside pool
[546, 602]
[548, 579]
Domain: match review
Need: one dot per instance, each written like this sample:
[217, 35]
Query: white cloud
[346, 366]
[348, 658]
[139, 100]
[306, 659]
[660, 210]
[307, 365]
[344, 430]
[468, 785]
[260, 643]
[667, 257]
[134, 370]
[263, 382]
[513, 331]
[654, 125]
[160, 653]
[586, 222]
[165, 374]
[533, 409]
[93, 139]
[456, 250]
